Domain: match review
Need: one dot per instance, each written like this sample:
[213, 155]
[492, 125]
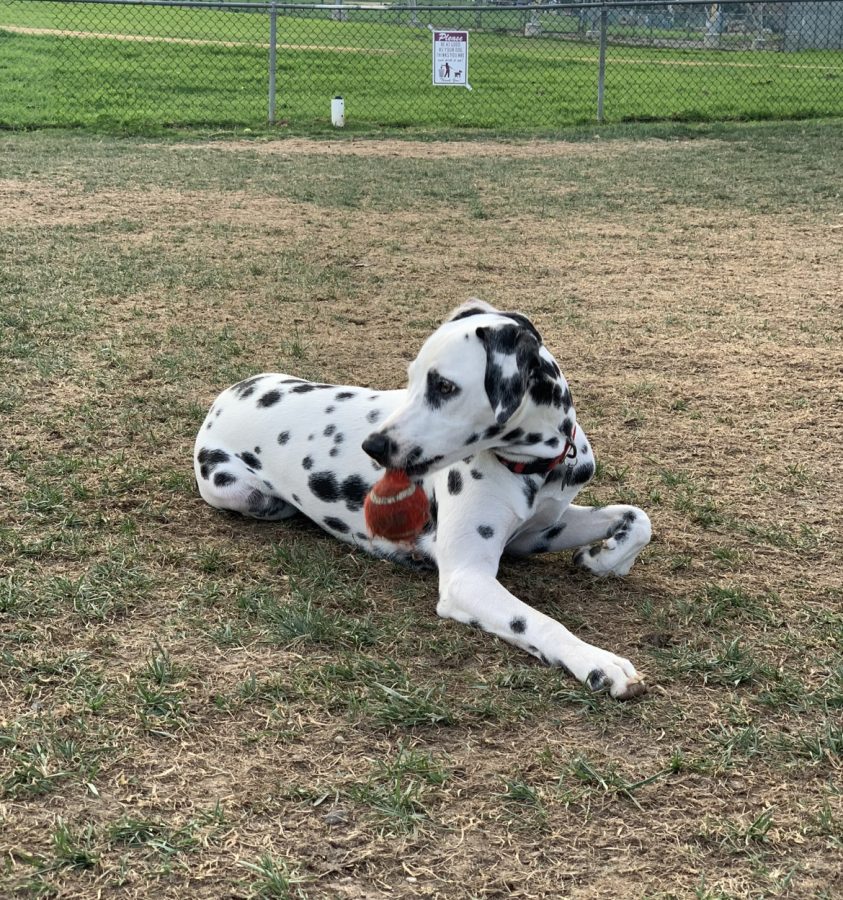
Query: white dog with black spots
[487, 426]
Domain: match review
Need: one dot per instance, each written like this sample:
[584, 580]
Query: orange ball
[395, 508]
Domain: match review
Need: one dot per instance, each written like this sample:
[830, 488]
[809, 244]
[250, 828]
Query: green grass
[381, 67]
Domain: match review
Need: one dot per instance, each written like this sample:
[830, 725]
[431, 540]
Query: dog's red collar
[542, 466]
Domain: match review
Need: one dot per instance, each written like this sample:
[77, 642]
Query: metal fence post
[273, 34]
[601, 66]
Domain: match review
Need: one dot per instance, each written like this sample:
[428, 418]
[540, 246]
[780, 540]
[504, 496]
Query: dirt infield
[195, 705]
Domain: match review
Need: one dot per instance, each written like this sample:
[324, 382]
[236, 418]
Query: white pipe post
[273, 36]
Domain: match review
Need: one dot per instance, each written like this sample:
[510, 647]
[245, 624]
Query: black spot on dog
[250, 459]
[524, 322]
[344, 395]
[303, 388]
[550, 368]
[541, 547]
[477, 476]
[307, 463]
[291, 381]
[209, 460]
[208, 426]
[492, 431]
[552, 442]
[434, 510]
[486, 531]
[270, 398]
[423, 467]
[454, 482]
[329, 430]
[329, 410]
[466, 313]
[373, 416]
[530, 488]
[597, 680]
[336, 524]
[324, 486]
[334, 452]
[513, 435]
[354, 490]
[218, 413]
[582, 474]
[264, 506]
[532, 437]
[567, 400]
[621, 535]
[595, 550]
[297, 499]
[339, 437]
[244, 389]
[555, 530]
[518, 625]
[223, 479]
[283, 437]
[472, 438]
[545, 389]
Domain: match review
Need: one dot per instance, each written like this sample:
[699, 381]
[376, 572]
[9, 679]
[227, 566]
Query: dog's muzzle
[381, 448]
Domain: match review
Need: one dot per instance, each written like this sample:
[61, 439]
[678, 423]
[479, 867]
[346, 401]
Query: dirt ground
[170, 731]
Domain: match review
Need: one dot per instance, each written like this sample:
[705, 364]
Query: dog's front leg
[472, 594]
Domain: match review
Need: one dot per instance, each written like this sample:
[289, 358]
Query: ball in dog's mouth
[396, 508]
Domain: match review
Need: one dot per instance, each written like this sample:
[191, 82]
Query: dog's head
[482, 380]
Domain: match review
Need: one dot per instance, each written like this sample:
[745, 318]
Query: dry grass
[164, 734]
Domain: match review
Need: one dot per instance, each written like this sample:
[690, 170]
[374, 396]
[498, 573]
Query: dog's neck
[541, 465]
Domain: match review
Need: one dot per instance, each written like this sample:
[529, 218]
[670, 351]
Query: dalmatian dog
[487, 426]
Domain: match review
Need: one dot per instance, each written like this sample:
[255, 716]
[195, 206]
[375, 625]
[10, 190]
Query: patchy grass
[198, 705]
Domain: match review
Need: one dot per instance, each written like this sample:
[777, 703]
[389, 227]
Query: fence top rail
[481, 5]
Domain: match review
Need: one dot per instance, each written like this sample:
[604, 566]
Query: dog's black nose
[379, 447]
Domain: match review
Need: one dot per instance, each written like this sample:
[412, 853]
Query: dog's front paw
[602, 671]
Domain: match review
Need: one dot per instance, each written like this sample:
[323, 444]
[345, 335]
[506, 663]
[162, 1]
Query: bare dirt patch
[411, 149]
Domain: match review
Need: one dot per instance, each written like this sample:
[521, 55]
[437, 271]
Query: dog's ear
[512, 358]
[473, 307]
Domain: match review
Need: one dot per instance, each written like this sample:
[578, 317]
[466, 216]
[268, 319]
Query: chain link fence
[519, 66]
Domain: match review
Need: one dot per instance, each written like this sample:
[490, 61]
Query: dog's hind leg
[226, 482]
[607, 539]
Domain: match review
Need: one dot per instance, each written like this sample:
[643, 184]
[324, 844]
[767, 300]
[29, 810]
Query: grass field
[142, 68]
[196, 705]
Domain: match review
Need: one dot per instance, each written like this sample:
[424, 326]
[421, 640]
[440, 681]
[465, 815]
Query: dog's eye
[445, 387]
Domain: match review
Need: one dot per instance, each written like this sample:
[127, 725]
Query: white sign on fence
[450, 58]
